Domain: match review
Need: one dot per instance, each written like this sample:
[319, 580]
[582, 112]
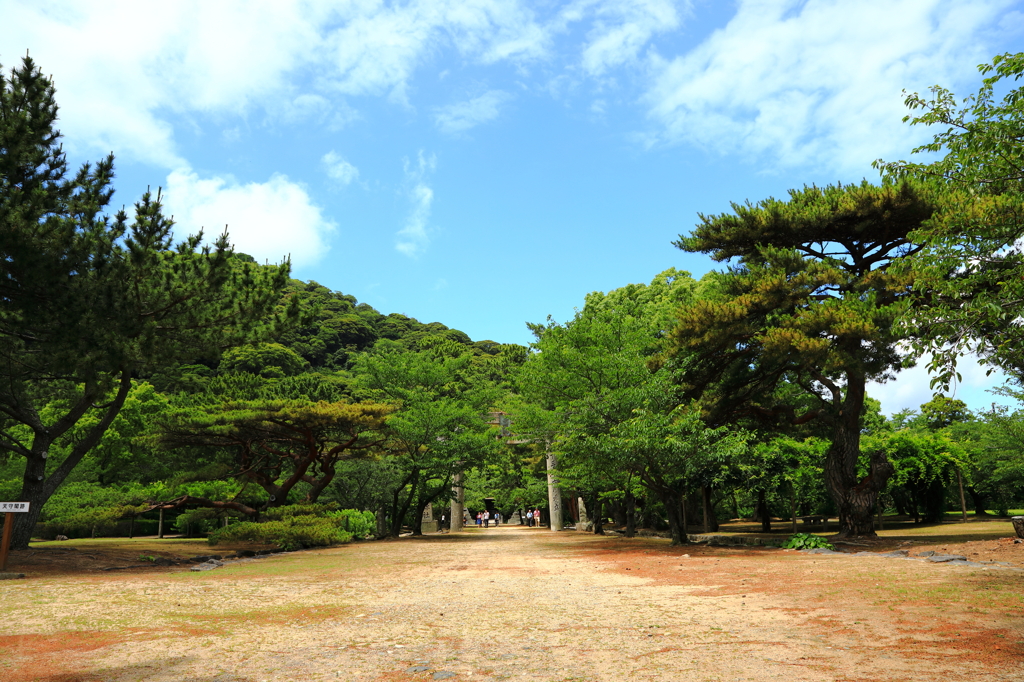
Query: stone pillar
[427, 523]
[584, 520]
[554, 494]
[458, 504]
[1018, 525]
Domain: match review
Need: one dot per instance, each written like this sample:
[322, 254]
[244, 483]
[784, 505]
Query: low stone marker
[1018, 525]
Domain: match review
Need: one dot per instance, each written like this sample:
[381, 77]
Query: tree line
[140, 374]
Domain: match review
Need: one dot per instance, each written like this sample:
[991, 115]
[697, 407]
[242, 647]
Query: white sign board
[14, 507]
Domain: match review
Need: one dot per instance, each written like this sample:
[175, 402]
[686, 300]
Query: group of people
[484, 518]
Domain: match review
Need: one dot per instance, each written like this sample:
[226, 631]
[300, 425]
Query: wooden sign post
[9, 509]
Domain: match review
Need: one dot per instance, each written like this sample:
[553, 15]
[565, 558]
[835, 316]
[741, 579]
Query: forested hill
[331, 328]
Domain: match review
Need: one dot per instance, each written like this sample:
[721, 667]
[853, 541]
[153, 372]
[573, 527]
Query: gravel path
[502, 604]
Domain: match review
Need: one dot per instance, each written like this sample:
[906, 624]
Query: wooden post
[160, 525]
[5, 543]
[963, 503]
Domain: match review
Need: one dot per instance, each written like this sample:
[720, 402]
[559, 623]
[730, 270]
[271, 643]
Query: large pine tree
[87, 299]
[809, 303]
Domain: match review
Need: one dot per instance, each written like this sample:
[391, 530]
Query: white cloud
[622, 30]
[338, 168]
[911, 388]
[269, 220]
[816, 82]
[414, 237]
[465, 115]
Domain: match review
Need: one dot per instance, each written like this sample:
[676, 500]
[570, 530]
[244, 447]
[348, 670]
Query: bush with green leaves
[290, 528]
[807, 541]
[361, 524]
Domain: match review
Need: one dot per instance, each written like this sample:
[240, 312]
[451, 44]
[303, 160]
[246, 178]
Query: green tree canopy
[809, 303]
[970, 278]
[89, 300]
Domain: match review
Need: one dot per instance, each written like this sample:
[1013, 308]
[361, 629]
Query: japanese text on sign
[14, 507]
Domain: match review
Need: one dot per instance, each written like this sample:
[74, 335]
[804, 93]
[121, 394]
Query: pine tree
[87, 299]
[807, 313]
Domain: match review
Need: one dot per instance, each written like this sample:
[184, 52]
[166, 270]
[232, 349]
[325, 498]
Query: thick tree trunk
[762, 512]
[977, 501]
[630, 515]
[854, 497]
[36, 486]
[555, 521]
[710, 520]
[458, 503]
[674, 510]
[400, 509]
[598, 516]
[618, 512]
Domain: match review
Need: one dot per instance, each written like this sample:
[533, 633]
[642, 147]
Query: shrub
[807, 541]
[293, 532]
[361, 524]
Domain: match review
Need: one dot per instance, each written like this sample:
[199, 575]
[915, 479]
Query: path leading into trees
[519, 604]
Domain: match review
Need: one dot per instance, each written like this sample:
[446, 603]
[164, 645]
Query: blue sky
[484, 163]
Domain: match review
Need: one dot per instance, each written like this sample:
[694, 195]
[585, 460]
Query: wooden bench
[811, 521]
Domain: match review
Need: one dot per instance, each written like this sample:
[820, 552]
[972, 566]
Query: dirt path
[520, 604]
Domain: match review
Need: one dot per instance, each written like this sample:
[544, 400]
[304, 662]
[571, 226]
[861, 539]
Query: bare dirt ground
[514, 604]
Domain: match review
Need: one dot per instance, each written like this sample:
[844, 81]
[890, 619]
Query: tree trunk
[36, 487]
[710, 521]
[674, 509]
[762, 512]
[977, 501]
[598, 516]
[555, 521]
[618, 512]
[686, 525]
[963, 502]
[792, 506]
[854, 497]
[400, 509]
[630, 515]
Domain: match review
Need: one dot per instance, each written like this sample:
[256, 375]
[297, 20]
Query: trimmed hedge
[300, 526]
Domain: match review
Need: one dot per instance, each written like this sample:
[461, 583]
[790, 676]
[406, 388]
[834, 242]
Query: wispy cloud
[267, 220]
[812, 82]
[414, 237]
[227, 59]
[338, 168]
[457, 118]
[623, 28]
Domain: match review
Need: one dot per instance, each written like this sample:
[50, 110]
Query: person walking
[487, 519]
[479, 519]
